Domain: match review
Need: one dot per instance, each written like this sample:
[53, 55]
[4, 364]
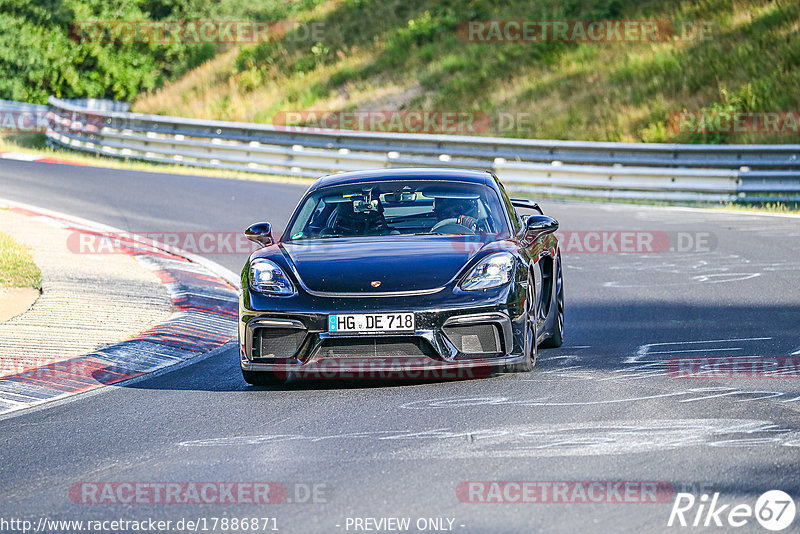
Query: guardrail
[564, 168]
[11, 105]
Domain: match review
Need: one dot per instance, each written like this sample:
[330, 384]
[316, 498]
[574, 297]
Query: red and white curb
[203, 293]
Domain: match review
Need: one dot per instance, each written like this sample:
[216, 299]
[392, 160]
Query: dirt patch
[392, 98]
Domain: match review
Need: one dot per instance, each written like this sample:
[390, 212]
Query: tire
[557, 335]
[261, 378]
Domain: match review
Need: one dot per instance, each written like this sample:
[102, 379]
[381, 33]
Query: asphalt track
[601, 408]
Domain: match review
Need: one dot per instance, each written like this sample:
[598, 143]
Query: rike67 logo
[774, 510]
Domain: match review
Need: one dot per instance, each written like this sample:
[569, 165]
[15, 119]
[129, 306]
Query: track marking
[692, 350]
[567, 359]
[683, 396]
[527, 440]
[644, 350]
[731, 277]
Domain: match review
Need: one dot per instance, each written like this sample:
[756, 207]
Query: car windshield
[397, 208]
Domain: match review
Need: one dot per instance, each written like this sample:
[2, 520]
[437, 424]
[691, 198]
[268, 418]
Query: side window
[515, 219]
[320, 216]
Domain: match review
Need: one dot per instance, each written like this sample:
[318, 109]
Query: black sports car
[401, 273]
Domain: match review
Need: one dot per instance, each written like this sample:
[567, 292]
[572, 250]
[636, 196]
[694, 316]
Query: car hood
[399, 263]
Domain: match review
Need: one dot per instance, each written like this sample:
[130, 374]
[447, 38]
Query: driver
[461, 211]
[345, 221]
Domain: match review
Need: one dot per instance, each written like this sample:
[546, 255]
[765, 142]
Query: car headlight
[493, 271]
[267, 277]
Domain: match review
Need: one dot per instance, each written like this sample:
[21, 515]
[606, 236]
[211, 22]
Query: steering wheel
[451, 226]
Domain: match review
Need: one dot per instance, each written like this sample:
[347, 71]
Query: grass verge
[17, 268]
[784, 208]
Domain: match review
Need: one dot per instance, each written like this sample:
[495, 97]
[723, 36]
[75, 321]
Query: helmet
[345, 221]
[451, 208]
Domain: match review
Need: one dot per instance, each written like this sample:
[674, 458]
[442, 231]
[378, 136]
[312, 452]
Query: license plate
[371, 322]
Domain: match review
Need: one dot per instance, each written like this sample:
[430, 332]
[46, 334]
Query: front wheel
[261, 378]
[557, 336]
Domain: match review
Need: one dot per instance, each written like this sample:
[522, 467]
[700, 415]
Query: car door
[532, 251]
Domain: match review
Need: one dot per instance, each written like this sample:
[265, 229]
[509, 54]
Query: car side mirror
[260, 233]
[539, 225]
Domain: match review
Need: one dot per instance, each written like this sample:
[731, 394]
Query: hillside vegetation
[406, 54]
[736, 55]
[40, 56]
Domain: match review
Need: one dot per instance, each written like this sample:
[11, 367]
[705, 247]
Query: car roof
[419, 173]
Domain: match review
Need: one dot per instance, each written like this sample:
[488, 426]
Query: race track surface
[604, 407]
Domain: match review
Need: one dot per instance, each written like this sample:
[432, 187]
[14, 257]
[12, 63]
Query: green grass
[16, 265]
[405, 54]
[785, 208]
[788, 208]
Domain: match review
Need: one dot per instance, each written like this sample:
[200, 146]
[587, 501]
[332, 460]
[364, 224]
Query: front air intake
[277, 342]
[389, 347]
[475, 338]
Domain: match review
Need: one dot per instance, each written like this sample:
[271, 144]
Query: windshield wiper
[308, 238]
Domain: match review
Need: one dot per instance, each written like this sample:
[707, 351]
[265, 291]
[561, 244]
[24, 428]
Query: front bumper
[458, 340]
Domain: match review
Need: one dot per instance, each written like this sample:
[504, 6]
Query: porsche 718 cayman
[402, 270]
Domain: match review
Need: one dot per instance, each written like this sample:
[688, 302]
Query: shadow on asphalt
[221, 373]
[602, 336]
